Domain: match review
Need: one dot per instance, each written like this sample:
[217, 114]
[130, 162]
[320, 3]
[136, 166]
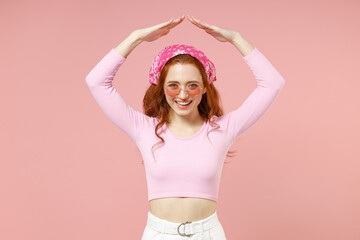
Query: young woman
[183, 135]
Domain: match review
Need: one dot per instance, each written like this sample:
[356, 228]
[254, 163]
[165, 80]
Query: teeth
[183, 104]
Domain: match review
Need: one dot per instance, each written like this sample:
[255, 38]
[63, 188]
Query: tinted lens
[193, 89]
[174, 89]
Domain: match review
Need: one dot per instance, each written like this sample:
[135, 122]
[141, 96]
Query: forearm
[242, 45]
[126, 46]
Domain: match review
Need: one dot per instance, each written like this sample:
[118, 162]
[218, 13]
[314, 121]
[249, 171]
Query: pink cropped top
[184, 166]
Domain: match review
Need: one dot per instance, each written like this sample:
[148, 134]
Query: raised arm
[269, 83]
[99, 81]
[269, 80]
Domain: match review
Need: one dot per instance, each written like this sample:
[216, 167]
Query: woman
[183, 136]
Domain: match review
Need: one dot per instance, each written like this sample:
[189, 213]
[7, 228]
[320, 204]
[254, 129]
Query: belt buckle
[183, 234]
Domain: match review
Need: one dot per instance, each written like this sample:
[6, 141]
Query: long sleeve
[269, 83]
[99, 81]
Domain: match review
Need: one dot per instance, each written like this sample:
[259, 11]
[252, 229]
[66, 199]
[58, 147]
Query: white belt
[183, 229]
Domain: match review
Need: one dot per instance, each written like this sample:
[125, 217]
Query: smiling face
[186, 77]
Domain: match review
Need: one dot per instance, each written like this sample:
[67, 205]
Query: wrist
[134, 38]
[242, 45]
[237, 38]
[126, 46]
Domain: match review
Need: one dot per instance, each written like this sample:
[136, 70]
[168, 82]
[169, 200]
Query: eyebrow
[186, 82]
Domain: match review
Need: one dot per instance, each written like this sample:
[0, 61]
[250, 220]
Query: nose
[183, 93]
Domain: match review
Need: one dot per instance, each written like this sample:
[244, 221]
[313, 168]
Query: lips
[183, 106]
[187, 103]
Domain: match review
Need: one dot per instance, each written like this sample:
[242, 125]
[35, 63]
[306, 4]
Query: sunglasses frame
[181, 89]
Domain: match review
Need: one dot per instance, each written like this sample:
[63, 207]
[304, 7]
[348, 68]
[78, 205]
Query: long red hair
[155, 104]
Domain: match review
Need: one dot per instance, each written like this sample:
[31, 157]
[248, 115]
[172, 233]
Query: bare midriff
[182, 209]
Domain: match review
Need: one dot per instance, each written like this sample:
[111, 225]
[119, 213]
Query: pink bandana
[171, 51]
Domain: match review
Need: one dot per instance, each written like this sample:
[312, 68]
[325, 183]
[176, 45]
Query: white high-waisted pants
[206, 229]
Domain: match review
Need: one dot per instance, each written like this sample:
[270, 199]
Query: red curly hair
[155, 104]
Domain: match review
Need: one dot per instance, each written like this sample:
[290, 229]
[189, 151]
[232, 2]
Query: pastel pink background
[67, 172]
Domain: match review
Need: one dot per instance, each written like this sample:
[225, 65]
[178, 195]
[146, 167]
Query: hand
[152, 33]
[221, 34]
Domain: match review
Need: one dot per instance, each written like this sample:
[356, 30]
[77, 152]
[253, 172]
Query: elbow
[281, 83]
[277, 85]
[89, 81]
[276, 82]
